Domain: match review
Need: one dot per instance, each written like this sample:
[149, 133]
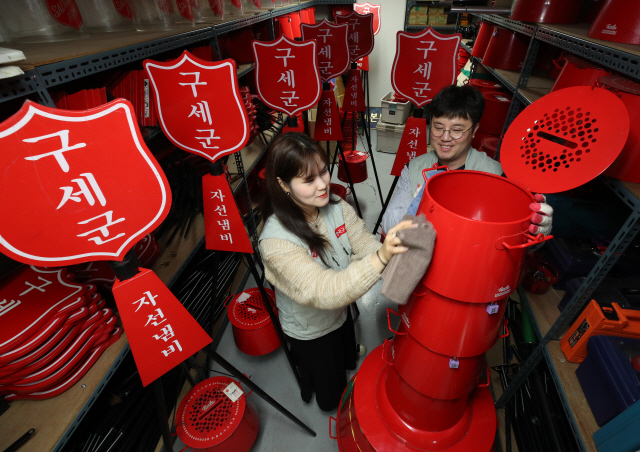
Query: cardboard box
[389, 136]
[394, 112]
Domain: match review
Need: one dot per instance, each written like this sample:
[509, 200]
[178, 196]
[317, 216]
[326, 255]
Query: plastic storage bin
[106, 15]
[608, 376]
[394, 112]
[154, 14]
[621, 433]
[31, 21]
[389, 136]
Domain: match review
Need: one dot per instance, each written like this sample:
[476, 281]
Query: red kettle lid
[565, 139]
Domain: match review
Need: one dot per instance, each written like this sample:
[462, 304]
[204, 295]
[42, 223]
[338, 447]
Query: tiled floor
[272, 372]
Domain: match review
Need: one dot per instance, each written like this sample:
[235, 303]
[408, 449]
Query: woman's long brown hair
[291, 155]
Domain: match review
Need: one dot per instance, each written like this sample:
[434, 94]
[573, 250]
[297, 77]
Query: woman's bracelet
[380, 259]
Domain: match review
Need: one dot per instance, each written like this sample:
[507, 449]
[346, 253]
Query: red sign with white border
[287, 75]
[360, 34]
[199, 105]
[87, 175]
[366, 8]
[161, 332]
[424, 64]
[65, 12]
[224, 229]
[333, 47]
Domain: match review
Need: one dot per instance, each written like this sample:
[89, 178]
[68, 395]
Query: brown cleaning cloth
[404, 271]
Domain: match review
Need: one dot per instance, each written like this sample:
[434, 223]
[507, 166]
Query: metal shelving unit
[549, 323]
[68, 67]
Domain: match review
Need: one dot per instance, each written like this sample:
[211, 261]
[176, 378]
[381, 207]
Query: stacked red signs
[366, 8]
[424, 64]
[328, 119]
[412, 144]
[202, 112]
[287, 75]
[199, 105]
[166, 334]
[86, 175]
[95, 189]
[360, 34]
[333, 47]
[224, 228]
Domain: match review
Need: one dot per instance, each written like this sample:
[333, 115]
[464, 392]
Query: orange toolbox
[594, 320]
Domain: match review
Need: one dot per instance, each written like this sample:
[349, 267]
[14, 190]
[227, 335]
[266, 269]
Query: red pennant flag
[353, 94]
[161, 332]
[412, 144]
[224, 229]
[328, 119]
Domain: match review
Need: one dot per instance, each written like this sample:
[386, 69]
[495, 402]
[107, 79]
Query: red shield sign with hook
[287, 75]
[199, 105]
[86, 175]
[333, 47]
[424, 64]
[366, 8]
[360, 34]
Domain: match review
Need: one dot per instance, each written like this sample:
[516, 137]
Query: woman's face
[312, 190]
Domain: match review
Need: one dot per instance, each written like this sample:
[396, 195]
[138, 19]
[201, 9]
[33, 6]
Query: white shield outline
[118, 104]
[370, 23]
[326, 23]
[435, 35]
[362, 7]
[234, 81]
[294, 44]
[58, 273]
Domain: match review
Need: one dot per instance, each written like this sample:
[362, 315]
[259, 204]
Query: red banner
[287, 75]
[224, 229]
[199, 105]
[360, 34]
[353, 93]
[366, 8]
[412, 144]
[328, 119]
[333, 47]
[161, 332]
[424, 64]
[86, 175]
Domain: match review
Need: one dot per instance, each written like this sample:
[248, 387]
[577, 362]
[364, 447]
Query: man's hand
[542, 217]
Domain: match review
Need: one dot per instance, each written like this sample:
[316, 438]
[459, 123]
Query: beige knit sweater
[292, 270]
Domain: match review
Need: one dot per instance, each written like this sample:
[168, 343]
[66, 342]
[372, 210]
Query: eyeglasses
[454, 134]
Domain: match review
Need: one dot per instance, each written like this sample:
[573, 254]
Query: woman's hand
[392, 245]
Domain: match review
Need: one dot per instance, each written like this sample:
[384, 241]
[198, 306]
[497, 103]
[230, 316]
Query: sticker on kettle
[503, 291]
[233, 391]
[405, 319]
[493, 309]
[454, 363]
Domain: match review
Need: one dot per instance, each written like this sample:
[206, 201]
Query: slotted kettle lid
[248, 311]
[565, 139]
[207, 416]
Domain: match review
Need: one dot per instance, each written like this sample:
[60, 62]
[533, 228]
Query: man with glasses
[455, 116]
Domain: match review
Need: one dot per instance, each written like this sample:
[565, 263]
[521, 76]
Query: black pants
[323, 364]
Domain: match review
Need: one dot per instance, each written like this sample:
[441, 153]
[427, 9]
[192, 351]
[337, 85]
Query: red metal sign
[287, 75]
[363, 64]
[424, 64]
[123, 8]
[333, 47]
[412, 144]
[86, 175]
[353, 94]
[161, 332]
[185, 9]
[328, 119]
[366, 8]
[360, 34]
[199, 105]
[224, 229]
[30, 299]
[65, 12]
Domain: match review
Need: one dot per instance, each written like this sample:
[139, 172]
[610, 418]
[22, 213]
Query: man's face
[452, 152]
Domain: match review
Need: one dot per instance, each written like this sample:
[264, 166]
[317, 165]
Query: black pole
[386, 204]
[346, 170]
[292, 121]
[367, 133]
[124, 270]
[274, 319]
[251, 385]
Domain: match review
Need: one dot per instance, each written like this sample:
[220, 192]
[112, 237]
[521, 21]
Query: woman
[320, 258]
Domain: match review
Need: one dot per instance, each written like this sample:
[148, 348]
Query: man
[455, 116]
